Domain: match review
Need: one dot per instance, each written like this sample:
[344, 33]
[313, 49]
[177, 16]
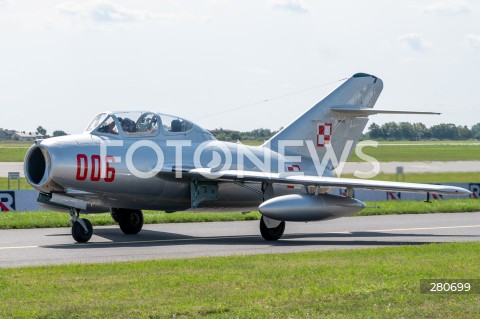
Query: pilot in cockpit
[109, 127]
[128, 125]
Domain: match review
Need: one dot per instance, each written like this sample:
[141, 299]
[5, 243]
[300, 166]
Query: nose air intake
[36, 166]
[38, 169]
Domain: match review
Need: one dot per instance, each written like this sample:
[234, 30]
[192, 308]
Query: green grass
[13, 153]
[401, 151]
[437, 142]
[253, 142]
[365, 283]
[459, 177]
[40, 219]
[14, 184]
[14, 143]
[410, 151]
[421, 151]
[420, 207]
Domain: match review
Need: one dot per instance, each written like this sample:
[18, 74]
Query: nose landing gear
[129, 220]
[82, 229]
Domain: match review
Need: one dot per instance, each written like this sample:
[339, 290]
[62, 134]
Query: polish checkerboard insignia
[293, 168]
[324, 134]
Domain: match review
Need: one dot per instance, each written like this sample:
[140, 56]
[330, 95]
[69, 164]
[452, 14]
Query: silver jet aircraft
[128, 161]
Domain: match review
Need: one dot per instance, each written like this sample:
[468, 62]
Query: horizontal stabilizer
[356, 111]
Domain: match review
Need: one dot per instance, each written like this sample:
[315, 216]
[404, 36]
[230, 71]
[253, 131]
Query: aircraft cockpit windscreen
[175, 124]
[96, 121]
[138, 122]
[108, 126]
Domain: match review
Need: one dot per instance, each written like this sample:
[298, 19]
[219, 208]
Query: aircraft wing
[292, 178]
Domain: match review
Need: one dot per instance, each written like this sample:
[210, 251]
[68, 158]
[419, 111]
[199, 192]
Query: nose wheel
[82, 229]
[82, 233]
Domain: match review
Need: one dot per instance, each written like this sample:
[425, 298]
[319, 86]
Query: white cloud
[105, 11]
[443, 8]
[297, 6]
[71, 8]
[220, 2]
[9, 75]
[261, 71]
[473, 40]
[413, 41]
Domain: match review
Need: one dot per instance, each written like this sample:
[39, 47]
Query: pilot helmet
[128, 125]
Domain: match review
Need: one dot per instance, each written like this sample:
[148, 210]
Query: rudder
[322, 126]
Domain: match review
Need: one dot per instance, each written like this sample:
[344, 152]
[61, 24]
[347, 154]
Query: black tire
[114, 215]
[130, 221]
[79, 234]
[271, 234]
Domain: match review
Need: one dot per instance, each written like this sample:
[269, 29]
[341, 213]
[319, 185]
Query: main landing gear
[271, 229]
[129, 220]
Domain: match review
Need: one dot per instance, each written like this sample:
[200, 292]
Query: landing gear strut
[82, 229]
[129, 220]
[271, 229]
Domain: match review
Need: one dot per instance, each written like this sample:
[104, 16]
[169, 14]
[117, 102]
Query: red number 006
[96, 168]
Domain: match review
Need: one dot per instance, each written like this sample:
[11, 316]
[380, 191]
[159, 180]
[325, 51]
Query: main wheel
[271, 233]
[130, 221]
[114, 215]
[79, 233]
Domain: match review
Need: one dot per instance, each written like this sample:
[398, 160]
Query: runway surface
[385, 167]
[6, 167]
[165, 241]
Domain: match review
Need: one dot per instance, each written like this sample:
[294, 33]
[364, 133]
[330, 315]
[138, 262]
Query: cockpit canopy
[137, 123]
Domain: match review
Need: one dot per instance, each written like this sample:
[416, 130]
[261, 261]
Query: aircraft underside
[126, 210]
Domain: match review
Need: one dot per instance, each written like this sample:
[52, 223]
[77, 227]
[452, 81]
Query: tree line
[43, 131]
[388, 131]
[419, 131]
[259, 134]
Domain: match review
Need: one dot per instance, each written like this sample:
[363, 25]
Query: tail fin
[322, 125]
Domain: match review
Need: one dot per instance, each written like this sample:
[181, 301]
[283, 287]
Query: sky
[233, 64]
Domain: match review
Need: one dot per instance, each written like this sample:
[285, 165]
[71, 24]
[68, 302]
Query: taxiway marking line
[404, 229]
[231, 237]
[18, 247]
